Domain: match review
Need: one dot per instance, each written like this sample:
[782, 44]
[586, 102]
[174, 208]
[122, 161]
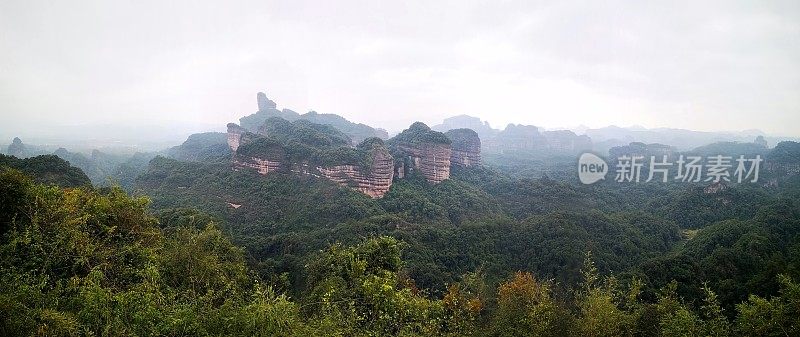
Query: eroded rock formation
[373, 180]
[262, 166]
[268, 109]
[322, 152]
[465, 147]
[234, 135]
[430, 160]
[262, 154]
[264, 103]
[421, 149]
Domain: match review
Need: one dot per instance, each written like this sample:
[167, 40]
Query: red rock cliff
[422, 150]
[234, 135]
[430, 160]
[373, 180]
[368, 169]
[466, 147]
[262, 154]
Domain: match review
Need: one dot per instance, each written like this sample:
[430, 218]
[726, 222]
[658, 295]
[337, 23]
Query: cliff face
[421, 149]
[431, 160]
[234, 135]
[262, 154]
[262, 166]
[306, 148]
[373, 180]
[465, 147]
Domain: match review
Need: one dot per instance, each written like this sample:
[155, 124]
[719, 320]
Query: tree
[525, 307]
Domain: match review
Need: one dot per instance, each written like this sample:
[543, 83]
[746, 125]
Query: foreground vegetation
[81, 261]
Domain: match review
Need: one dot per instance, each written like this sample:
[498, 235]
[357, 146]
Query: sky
[700, 65]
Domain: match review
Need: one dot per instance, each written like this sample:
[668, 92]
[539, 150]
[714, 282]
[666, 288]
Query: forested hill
[48, 169]
[206, 246]
[114, 267]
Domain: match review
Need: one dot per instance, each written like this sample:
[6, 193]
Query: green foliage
[604, 309]
[305, 142]
[81, 262]
[352, 130]
[786, 152]
[89, 262]
[419, 133]
[304, 132]
[263, 147]
[360, 287]
[207, 146]
[104, 169]
[526, 307]
[47, 169]
[776, 316]
[734, 149]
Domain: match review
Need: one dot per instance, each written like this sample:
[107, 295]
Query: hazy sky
[703, 65]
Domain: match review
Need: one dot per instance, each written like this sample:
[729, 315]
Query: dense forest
[200, 249]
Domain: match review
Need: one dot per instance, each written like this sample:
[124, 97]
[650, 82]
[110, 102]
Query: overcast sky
[702, 65]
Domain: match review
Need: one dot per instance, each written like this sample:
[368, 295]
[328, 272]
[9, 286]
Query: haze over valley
[414, 168]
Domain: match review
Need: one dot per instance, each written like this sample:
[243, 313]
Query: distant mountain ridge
[518, 137]
[533, 138]
[268, 108]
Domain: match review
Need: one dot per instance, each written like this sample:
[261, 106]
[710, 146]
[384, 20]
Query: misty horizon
[192, 67]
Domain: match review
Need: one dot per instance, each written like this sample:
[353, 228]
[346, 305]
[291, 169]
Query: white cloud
[707, 66]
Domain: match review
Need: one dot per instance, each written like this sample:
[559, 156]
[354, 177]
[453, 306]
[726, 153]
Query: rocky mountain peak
[264, 103]
[16, 147]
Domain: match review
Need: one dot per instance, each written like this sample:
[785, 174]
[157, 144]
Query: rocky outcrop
[465, 147]
[264, 103]
[373, 180]
[715, 188]
[234, 136]
[262, 166]
[16, 148]
[268, 109]
[430, 160]
[760, 140]
[302, 147]
[423, 150]
[566, 141]
[265, 155]
[517, 138]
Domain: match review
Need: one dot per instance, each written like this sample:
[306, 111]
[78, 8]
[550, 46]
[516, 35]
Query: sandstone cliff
[234, 135]
[423, 150]
[303, 147]
[265, 155]
[374, 178]
[466, 147]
